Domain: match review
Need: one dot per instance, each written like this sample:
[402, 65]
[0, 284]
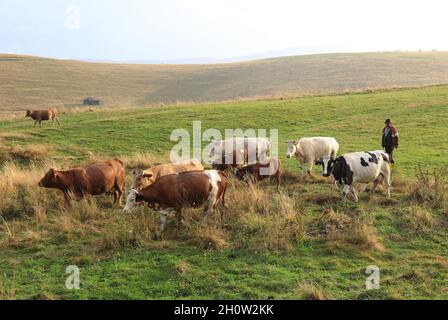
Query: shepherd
[390, 139]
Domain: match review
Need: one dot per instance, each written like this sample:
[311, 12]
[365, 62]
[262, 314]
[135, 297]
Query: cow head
[28, 113]
[132, 201]
[242, 174]
[141, 179]
[291, 149]
[50, 180]
[327, 163]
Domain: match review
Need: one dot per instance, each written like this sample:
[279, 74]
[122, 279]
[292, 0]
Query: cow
[99, 178]
[43, 115]
[186, 189]
[233, 161]
[252, 149]
[309, 150]
[144, 178]
[362, 167]
[260, 171]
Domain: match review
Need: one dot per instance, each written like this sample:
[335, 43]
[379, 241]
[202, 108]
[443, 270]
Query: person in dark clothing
[390, 139]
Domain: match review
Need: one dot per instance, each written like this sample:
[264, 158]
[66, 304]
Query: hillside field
[304, 243]
[32, 82]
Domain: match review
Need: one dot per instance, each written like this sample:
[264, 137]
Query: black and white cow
[361, 167]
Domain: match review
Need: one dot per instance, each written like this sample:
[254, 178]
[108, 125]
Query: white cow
[309, 150]
[361, 167]
[247, 149]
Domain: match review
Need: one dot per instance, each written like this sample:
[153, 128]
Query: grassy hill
[302, 243]
[37, 82]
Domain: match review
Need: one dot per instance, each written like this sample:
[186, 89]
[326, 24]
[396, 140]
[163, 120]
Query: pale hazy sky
[184, 29]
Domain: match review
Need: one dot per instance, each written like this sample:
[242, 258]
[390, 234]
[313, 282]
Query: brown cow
[144, 178]
[187, 189]
[94, 179]
[261, 171]
[43, 115]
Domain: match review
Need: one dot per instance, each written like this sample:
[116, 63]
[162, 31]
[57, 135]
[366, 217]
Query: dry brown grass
[431, 188]
[310, 291]
[68, 82]
[420, 220]
[366, 237]
[340, 229]
[26, 153]
[257, 217]
[182, 267]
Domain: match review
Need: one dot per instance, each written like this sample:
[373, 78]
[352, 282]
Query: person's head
[388, 123]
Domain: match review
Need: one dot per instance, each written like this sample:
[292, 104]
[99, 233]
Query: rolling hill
[38, 82]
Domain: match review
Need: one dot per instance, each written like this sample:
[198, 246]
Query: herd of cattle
[168, 188]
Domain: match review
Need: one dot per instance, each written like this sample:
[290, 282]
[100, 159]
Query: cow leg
[178, 215]
[310, 167]
[224, 204]
[375, 185]
[388, 183]
[364, 187]
[345, 192]
[211, 203]
[302, 167]
[35, 124]
[278, 178]
[120, 193]
[40, 124]
[57, 119]
[221, 199]
[301, 164]
[66, 199]
[355, 193]
[163, 219]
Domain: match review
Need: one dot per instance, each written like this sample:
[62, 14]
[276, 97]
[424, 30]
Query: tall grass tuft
[430, 189]
[311, 291]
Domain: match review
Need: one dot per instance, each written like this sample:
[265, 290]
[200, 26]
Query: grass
[301, 243]
[37, 82]
[355, 120]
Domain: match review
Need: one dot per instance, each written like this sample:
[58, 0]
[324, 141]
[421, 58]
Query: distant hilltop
[31, 81]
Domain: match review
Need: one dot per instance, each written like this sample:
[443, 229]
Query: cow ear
[147, 175]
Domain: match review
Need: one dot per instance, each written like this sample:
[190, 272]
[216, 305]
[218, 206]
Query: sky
[170, 30]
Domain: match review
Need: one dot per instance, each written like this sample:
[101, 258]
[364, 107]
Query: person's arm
[382, 139]
[395, 138]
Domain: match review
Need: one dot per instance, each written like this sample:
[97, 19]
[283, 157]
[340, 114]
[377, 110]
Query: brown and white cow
[43, 115]
[261, 171]
[144, 178]
[106, 177]
[174, 192]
